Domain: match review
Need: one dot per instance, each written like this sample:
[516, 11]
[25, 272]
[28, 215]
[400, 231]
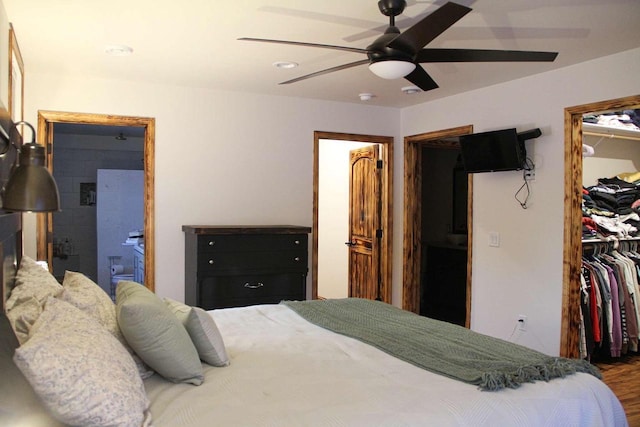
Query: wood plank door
[364, 223]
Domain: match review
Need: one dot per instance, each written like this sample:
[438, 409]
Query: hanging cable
[528, 166]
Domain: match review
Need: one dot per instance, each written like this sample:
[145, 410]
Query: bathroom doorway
[128, 135]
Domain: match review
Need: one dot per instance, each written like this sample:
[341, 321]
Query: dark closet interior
[444, 236]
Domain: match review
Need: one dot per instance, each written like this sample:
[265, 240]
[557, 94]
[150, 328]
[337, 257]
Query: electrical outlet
[530, 175]
[522, 322]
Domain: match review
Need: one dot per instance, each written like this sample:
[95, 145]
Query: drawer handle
[212, 242]
[297, 242]
[211, 262]
[297, 259]
[256, 286]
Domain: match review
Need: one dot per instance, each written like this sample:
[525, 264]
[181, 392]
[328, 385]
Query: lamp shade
[31, 187]
[392, 69]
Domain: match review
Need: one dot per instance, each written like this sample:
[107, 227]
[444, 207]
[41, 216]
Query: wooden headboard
[19, 405]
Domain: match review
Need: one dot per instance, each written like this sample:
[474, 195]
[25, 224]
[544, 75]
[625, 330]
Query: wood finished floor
[623, 377]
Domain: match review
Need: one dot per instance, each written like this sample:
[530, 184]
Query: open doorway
[47, 120]
[414, 148]
[572, 251]
[443, 264]
[99, 230]
[340, 145]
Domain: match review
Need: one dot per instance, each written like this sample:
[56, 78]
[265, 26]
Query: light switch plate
[494, 239]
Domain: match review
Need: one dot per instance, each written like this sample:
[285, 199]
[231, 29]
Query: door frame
[386, 143]
[572, 246]
[411, 242]
[46, 122]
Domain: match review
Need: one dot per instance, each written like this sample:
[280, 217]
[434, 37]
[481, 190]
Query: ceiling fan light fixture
[392, 69]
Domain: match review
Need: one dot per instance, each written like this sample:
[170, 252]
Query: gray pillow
[203, 332]
[156, 335]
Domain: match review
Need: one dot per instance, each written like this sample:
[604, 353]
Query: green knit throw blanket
[440, 347]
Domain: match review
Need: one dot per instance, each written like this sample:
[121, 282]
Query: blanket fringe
[556, 367]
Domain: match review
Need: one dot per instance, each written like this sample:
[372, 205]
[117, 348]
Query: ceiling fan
[394, 55]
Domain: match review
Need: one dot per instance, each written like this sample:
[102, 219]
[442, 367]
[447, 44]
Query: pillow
[32, 280]
[86, 295]
[25, 312]
[156, 335]
[33, 285]
[80, 371]
[203, 332]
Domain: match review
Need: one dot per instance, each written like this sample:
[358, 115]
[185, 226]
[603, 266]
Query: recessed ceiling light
[118, 50]
[410, 90]
[366, 96]
[285, 64]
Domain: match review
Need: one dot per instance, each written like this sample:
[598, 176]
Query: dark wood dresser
[234, 266]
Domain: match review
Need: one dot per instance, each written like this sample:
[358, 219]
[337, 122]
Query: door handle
[251, 286]
[351, 243]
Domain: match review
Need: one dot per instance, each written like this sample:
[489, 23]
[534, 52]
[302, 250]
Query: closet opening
[596, 155]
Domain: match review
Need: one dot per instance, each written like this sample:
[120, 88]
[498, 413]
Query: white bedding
[286, 371]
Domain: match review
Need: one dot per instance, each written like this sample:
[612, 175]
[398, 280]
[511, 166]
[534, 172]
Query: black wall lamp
[30, 187]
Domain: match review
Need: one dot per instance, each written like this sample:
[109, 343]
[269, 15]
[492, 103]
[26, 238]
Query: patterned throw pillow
[86, 295]
[80, 371]
[203, 332]
[33, 285]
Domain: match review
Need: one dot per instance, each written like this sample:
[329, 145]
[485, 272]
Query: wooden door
[364, 223]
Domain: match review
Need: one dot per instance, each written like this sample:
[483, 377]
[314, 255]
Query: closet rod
[609, 135]
[612, 240]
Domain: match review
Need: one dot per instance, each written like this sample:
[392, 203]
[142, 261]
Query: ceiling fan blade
[327, 71]
[419, 35]
[483, 55]
[324, 46]
[420, 78]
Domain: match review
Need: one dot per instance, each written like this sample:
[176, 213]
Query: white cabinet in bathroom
[138, 264]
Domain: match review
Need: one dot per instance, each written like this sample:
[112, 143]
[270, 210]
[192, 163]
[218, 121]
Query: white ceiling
[194, 42]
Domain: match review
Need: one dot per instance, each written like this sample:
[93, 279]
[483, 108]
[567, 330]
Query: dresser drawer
[250, 243]
[231, 262]
[243, 290]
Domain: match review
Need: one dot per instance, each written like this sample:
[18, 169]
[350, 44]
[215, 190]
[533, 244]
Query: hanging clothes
[610, 301]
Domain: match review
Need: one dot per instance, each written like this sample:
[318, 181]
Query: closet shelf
[592, 129]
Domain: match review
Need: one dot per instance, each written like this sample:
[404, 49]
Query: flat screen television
[494, 151]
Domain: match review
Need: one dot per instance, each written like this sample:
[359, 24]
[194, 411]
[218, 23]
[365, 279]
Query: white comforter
[286, 371]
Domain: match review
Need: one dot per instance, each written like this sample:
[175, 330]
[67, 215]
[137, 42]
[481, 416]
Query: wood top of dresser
[245, 229]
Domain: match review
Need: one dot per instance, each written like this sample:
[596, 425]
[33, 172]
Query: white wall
[524, 274]
[333, 217]
[611, 157]
[221, 157]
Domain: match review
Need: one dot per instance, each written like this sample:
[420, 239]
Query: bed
[267, 365]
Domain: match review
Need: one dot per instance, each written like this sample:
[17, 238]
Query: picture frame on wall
[16, 79]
